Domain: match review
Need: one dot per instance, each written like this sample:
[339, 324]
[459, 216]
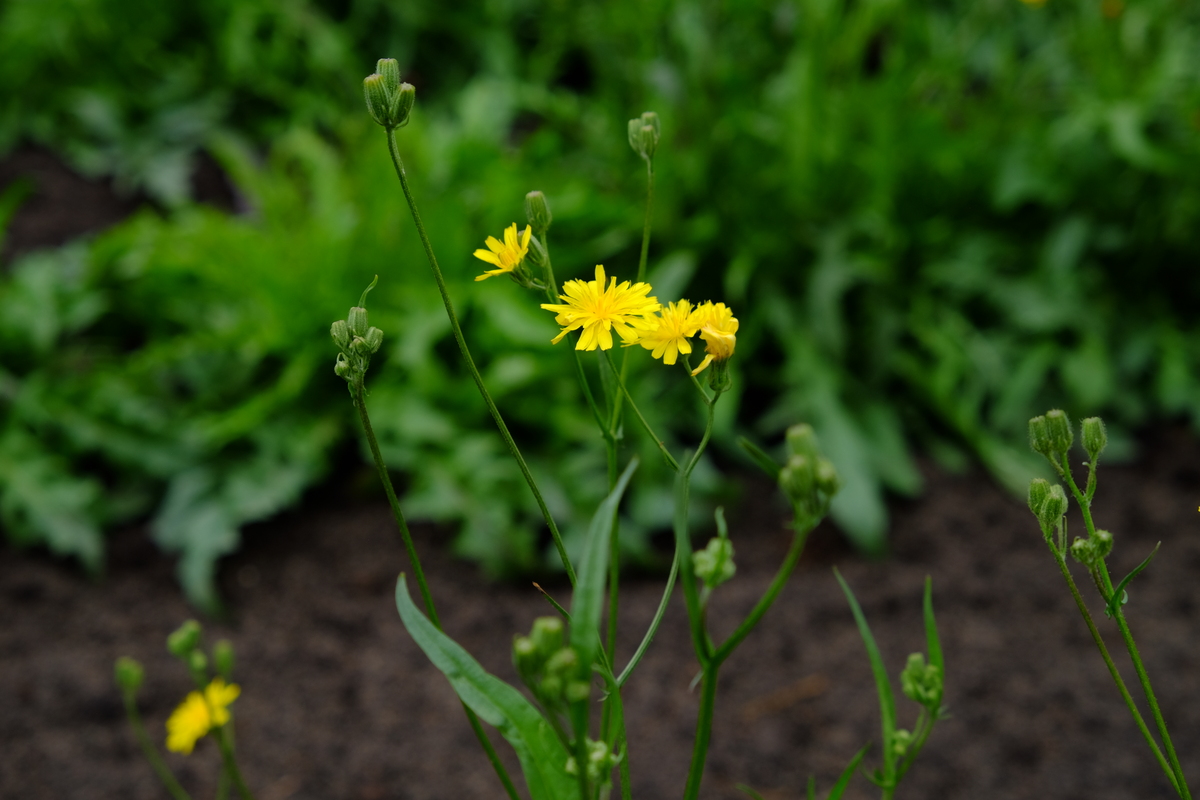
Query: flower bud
[536, 255]
[797, 478]
[342, 368]
[826, 476]
[901, 740]
[378, 98]
[547, 635]
[129, 674]
[537, 211]
[1059, 426]
[1038, 489]
[184, 640]
[402, 104]
[802, 441]
[563, 661]
[644, 133]
[525, 658]
[340, 332]
[1083, 551]
[356, 321]
[197, 662]
[374, 339]
[223, 658]
[578, 691]
[388, 69]
[921, 682]
[718, 376]
[1102, 544]
[1095, 437]
[1039, 435]
[1053, 507]
[714, 564]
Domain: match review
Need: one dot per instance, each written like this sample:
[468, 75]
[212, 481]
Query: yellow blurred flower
[599, 310]
[507, 255]
[718, 327]
[669, 332]
[198, 714]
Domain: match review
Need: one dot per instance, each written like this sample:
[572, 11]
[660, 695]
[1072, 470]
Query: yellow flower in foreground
[718, 327]
[670, 331]
[507, 255]
[198, 714]
[599, 310]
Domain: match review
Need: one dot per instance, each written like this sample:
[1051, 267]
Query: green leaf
[933, 643]
[843, 780]
[542, 755]
[1119, 598]
[760, 457]
[887, 702]
[588, 601]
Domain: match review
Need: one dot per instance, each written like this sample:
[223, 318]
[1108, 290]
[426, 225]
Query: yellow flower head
[718, 327]
[599, 310]
[670, 331]
[198, 714]
[507, 255]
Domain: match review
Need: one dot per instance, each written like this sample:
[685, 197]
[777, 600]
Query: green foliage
[930, 218]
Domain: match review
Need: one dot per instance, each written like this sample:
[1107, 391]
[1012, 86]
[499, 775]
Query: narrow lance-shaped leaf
[542, 755]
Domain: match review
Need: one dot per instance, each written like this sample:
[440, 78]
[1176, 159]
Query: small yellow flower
[599, 310]
[507, 255]
[670, 331]
[198, 714]
[718, 327]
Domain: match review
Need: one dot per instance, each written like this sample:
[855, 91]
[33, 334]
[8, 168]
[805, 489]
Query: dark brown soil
[339, 703]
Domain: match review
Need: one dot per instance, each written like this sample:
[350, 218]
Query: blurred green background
[934, 220]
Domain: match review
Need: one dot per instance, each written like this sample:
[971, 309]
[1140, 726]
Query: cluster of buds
[549, 667]
[357, 341]
[1048, 503]
[1051, 435]
[600, 761]
[389, 100]
[1092, 550]
[184, 644]
[714, 564]
[808, 479]
[922, 683]
[644, 132]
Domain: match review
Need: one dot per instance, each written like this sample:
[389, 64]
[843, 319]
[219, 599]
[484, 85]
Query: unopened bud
[921, 682]
[537, 211]
[1095, 437]
[826, 476]
[197, 662]
[1059, 427]
[719, 379]
[374, 339]
[129, 674]
[1038, 489]
[378, 99]
[389, 70]
[356, 321]
[802, 441]
[714, 564]
[797, 478]
[536, 255]
[564, 661]
[644, 133]
[184, 640]
[901, 740]
[223, 658]
[402, 104]
[342, 368]
[1039, 435]
[547, 635]
[578, 691]
[1084, 552]
[525, 657]
[1102, 543]
[340, 332]
[1053, 507]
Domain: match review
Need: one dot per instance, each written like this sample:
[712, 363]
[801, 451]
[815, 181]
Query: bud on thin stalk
[537, 211]
[1058, 425]
[1095, 437]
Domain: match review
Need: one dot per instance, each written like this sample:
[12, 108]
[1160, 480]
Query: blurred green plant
[936, 217]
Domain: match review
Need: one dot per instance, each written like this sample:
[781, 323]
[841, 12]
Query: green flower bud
[402, 104]
[378, 99]
[578, 691]
[714, 564]
[356, 321]
[1059, 426]
[340, 332]
[342, 368]
[547, 635]
[1053, 507]
[374, 339]
[826, 476]
[198, 663]
[184, 640]
[1095, 437]
[223, 658]
[802, 441]
[644, 132]
[1102, 544]
[388, 69]
[600, 761]
[537, 211]
[129, 674]
[1039, 435]
[536, 255]
[901, 740]
[921, 682]
[1038, 489]
[1083, 551]
[563, 662]
[798, 479]
[551, 688]
[526, 658]
[718, 376]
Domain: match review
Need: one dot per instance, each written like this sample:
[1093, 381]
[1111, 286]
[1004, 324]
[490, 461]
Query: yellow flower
[599, 310]
[507, 255]
[718, 327]
[670, 331]
[198, 714]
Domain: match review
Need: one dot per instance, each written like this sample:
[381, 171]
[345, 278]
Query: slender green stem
[1112, 669]
[921, 733]
[415, 561]
[1104, 584]
[708, 700]
[398, 163]
[654, 623]
[645, 254]
[646, 425]
[151, 752]
[230, 762]
[360, 405]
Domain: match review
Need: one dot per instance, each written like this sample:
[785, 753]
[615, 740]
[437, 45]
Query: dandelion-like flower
[718, 327]
[198, 714]
[669, 332]
[599, 310]
[507, 255]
